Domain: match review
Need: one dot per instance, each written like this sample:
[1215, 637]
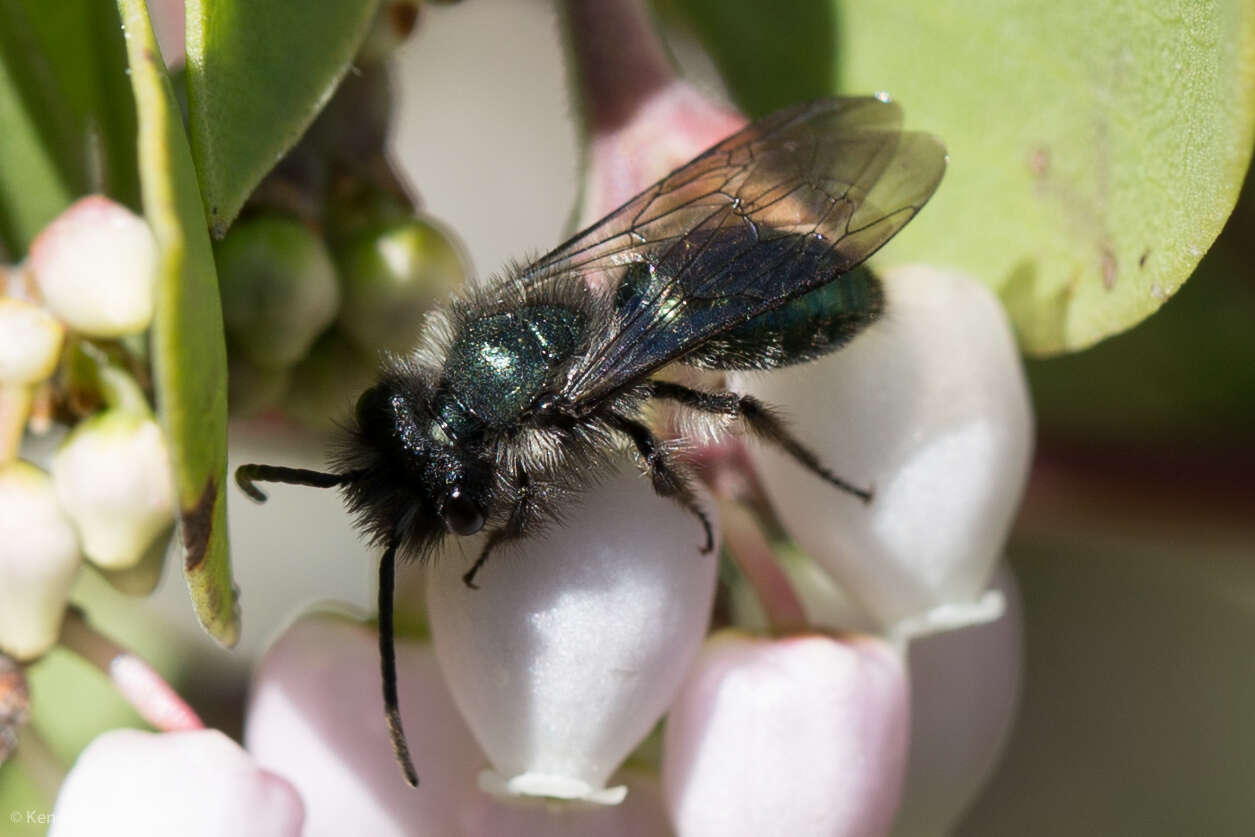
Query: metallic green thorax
[499, 363]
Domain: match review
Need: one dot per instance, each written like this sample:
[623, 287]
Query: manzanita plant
[207, 226]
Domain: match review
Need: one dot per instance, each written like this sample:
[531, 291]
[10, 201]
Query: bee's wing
[783, 206]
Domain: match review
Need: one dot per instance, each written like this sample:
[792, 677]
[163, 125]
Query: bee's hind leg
[667, 479]
[761, 420]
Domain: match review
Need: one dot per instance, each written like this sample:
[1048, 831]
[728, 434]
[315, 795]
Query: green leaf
[257, 75]
[796, 43]
[189, 353]
[1096, 148]
[1200, 347]
[67, 112]
[83, 39]
[38, 175]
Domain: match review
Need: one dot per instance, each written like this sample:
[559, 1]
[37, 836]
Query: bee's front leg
[522, 515]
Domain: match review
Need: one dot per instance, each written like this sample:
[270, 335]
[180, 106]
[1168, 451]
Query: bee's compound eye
[461, 515]
[369, 405]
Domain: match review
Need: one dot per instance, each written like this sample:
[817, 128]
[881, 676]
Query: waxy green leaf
[189, 352]
[67, 112]
[38, 172]
[258, 72]
[1096, 149]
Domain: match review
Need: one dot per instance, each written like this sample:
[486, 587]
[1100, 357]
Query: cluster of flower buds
[68, 320]
[306, 322]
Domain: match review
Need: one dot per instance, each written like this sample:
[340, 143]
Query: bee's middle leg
[668, 480]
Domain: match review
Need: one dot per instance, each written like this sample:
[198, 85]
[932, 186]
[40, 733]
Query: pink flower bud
[316, 717]
[96, 267]
[805, 735]
[129, 782]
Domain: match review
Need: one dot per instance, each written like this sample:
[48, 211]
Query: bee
[520, 391]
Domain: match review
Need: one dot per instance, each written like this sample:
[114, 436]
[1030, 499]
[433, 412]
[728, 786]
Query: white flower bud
[96, 267]
[577, 639]
[30, 342]
[113, 478]
[929, 408]
[641, 814]
[316, 717]
[129, 782]
[805, 735]
[39, 558]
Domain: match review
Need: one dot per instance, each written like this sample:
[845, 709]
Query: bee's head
[407, 481]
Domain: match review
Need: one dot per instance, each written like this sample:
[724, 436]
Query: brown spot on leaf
[197, 525]
[1039, 162]
[1109, 267]
[1141, 260]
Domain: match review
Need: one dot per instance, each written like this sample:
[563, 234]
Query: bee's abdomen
[803, 329]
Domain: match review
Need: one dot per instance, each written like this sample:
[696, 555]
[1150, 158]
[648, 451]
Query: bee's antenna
[246, 475]
[388, 663]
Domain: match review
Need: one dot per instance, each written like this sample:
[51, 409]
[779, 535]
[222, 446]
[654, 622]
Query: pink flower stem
[618, 62]
[15, 403]
[747, 545]
[154, 699]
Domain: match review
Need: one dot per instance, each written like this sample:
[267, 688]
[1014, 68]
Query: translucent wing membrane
[784, 206]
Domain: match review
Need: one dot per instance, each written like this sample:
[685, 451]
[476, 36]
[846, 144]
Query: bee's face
[415, 484]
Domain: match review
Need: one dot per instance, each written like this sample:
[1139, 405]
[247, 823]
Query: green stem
[94, 369]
